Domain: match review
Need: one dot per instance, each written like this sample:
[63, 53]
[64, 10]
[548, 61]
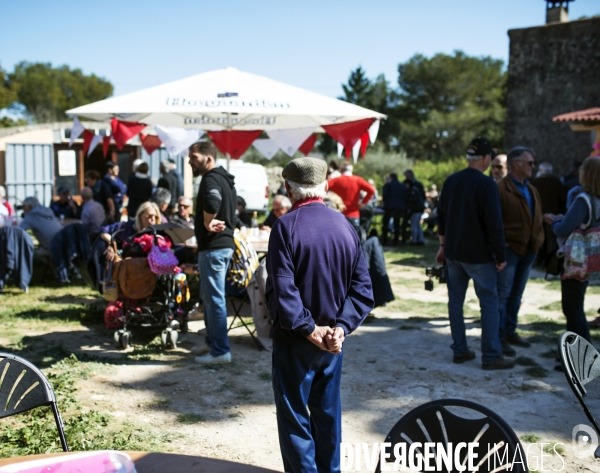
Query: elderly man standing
[281, 206]
[499, 167]
[92, 212]
[313, 306]
[523, 223]
[472, 243]
[215, 222]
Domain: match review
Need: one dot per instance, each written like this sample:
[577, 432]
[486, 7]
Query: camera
[438, 272]
[18, 207]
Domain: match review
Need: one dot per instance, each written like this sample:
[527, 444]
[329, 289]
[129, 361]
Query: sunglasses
[497, 166]
[529, 163]
[184, 206]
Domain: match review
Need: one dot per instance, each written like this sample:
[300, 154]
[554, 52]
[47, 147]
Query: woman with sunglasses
[147, 215]
[579, 215]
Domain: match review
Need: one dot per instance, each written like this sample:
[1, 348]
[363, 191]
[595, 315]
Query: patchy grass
[526, 361]
[536, 372]
[190, 418]
[554, 306]
[265, 376]
[530, 438]
[35, 431]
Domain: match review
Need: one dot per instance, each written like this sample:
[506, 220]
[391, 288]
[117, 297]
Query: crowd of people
[106, 204]
[493, 230]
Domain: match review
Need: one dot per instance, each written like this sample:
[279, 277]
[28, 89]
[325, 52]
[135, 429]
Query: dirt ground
[397, 360]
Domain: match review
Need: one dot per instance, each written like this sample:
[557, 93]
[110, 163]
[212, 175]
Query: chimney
[557, 11]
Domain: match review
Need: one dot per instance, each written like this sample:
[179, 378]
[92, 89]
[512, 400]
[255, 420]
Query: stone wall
[553, 69]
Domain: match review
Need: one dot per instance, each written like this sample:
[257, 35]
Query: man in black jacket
[472, 245]
[214, 227]
[394, 206]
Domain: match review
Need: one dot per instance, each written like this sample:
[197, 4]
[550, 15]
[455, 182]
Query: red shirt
[348, 188]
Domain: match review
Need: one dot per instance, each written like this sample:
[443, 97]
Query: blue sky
[310, 44]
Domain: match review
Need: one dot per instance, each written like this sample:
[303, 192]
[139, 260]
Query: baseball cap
[480, 147]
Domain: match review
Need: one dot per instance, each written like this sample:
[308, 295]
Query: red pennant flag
[122, 132]
[150, 142]
[88, 136]
[308, 145]
[233, 142]
[364, 141]
[347, 134]
[105, 145]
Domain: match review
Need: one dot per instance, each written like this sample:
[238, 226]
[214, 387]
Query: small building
[36, 159]
[553, 69]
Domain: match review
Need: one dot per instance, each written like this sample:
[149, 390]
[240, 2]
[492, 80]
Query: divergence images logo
[585, 441]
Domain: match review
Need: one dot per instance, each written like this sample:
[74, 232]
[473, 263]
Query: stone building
[553, 69]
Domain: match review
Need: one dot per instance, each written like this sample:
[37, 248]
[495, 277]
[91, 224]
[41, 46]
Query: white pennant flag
[177, 140]
[290, 140]
[355, 151]
[76, 131]
[96, 140]
[267, 147]
[373, 130]
[340, 147]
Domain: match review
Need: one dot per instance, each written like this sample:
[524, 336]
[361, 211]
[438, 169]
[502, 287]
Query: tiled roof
[587, 115]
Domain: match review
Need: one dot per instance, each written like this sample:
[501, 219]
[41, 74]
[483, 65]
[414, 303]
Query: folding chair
[581, 365]
[24, 387]
[434, 423]
[237, 302]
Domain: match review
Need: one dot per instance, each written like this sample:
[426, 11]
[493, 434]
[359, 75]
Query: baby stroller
[151, 302]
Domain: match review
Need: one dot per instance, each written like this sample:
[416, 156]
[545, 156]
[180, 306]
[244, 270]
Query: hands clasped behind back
[328, 339]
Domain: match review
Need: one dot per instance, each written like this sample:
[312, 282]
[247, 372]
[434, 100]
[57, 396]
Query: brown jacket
[523, 234]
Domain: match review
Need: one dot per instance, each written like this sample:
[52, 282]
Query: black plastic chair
[499, 447]
[24, 387]
[581, 365]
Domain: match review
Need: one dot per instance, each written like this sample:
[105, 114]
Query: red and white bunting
[373, 130]
[290, 140]
[266, 147]
[76, 131]
[177, 140]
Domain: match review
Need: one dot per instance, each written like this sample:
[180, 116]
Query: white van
[251, 183]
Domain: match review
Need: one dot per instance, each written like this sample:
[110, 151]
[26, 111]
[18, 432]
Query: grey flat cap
[307, 171]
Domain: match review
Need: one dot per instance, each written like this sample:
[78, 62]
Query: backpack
[243, 264]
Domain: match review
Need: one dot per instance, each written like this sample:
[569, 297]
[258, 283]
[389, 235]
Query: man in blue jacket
[318, 292]
[472, 245]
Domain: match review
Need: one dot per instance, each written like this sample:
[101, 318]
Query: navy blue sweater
[470, 218]
[317, 274]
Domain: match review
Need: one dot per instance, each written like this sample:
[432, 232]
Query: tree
[7, 95]
[47, 92]
[446, 101]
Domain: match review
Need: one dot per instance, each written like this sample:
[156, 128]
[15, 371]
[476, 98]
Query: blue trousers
[212, 265]
[485, 280]
[415, 225]
[511, 284]
[306, 384]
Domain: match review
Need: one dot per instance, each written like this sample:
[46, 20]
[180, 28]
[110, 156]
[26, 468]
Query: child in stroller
[153, 292]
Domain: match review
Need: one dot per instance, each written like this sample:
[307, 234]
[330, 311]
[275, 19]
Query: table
[259, 243]
[149, 462]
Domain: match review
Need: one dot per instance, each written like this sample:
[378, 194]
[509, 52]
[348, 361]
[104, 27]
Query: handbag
[161, 260]
[582, 251]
